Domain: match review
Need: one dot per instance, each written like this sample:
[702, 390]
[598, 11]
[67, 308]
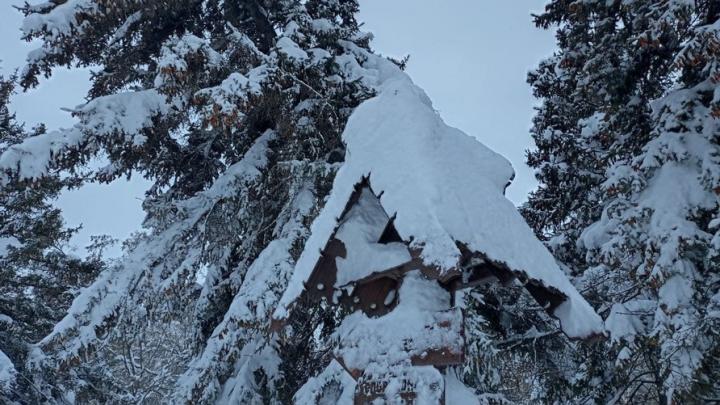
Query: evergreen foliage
[627, 160]
[234, 110]
[38, 279]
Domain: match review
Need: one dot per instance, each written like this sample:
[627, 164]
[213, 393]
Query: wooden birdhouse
[416, 213]
[405, 309]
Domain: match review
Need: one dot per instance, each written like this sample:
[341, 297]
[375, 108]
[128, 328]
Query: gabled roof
[445, 191]
[360, 230]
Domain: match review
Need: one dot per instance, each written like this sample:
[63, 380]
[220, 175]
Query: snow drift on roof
[443, 185]
[360, 231]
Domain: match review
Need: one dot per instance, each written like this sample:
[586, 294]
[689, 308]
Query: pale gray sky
[470, 56]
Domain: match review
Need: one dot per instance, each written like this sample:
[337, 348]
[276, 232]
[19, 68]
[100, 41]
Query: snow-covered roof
[444, 187]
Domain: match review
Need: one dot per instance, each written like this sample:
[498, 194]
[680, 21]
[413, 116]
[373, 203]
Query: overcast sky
[470, 56]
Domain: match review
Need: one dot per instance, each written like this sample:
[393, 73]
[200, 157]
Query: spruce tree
[234, 110]
[515, 351]
[38, 279]
[627, 160]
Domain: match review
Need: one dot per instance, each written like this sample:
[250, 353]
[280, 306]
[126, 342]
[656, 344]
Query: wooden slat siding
[325, 272]
[369, 290]
[372, 289]
[432, 272]
[396, 273]
[445, 356]
[375, 292]
[548, 298]
[439, 358]
[433, 356]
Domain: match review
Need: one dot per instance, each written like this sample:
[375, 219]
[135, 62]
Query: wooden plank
[442, 357]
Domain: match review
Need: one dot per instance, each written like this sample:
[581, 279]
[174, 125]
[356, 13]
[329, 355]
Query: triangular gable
[362, 262]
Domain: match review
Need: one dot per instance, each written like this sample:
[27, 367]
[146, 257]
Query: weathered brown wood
[371, 296]
[445, 356]
[354, 373]
[324, 273]
[478, 268]
[433, 272]
[321, 283]
[548, 298]
[393, 272]
[476, 276]
[322, 280]
[439, 358]
[370, 293]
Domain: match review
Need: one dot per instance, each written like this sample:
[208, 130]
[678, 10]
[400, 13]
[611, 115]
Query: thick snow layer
[383, 348]
[409, 330]
[174, 55]
[6, 243]
[289, 48]
[242, 387]
[52, 21]
[360, 230]
[457, 393]
[235, 89]
[443, 185]
[626, 320]
[60, 21]
[126, 113]
[7, 372]
[77, 329]
[31, 158]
